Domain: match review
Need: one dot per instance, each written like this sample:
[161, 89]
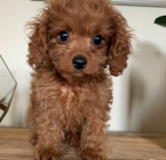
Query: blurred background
[139, 95]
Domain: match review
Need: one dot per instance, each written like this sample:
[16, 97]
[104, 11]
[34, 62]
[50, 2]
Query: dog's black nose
[79, 62]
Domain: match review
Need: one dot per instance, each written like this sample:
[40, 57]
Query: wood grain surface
[14, 145]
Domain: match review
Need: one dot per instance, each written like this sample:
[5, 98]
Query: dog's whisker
[102, 65]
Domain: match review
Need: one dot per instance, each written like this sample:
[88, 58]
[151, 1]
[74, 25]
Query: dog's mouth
[78, 72]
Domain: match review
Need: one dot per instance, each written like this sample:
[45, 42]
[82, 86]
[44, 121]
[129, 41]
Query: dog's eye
[98, 40]
[63, 36]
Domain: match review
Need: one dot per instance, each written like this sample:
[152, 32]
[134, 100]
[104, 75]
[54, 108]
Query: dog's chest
[74, 96]
[73, 106]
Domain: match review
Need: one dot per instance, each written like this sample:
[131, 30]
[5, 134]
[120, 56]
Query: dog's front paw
[46, 153]
[90, 154]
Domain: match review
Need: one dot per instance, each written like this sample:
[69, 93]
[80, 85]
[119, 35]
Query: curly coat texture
[67, 104]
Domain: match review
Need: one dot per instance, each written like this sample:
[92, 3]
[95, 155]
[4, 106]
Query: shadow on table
[147, 102]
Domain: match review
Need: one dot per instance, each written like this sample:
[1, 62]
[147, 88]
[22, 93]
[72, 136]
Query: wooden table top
[14, 145]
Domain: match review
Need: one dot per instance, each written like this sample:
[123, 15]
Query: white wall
[139, 95]
[13, 47]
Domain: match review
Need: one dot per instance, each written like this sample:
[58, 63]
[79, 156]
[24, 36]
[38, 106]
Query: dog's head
[80, 37]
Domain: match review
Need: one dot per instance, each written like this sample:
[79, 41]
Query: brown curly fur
[67, 104]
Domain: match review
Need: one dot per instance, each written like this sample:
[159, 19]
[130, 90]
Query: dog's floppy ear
[38, 45]
[120, 44]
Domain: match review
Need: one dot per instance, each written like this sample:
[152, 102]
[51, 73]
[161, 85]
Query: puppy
[71, 43]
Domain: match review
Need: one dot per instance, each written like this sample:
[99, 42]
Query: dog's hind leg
[72, 139]
[33, 139]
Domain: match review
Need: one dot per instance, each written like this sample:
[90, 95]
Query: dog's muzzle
[79, 62]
